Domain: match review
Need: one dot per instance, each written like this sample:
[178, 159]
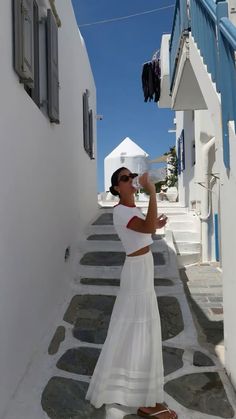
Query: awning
[160, 159]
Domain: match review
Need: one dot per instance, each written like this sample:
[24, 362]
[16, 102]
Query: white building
[47, 172]
[203, 90]
[127, 154]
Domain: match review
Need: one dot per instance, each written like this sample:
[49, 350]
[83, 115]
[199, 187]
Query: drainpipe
[205, 210]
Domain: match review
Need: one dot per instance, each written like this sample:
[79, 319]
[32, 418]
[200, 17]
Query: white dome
[127, 154]
[128, 148]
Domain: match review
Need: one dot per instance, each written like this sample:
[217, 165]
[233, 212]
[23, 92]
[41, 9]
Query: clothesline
[99, 22]
[155, 56]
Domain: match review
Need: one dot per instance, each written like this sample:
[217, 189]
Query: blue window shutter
[23, 40]
[86, 121]
[179, 159]
[183, 151]
[53, 73]
[91, 140]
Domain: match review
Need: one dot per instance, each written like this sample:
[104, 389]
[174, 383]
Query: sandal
[156, 412]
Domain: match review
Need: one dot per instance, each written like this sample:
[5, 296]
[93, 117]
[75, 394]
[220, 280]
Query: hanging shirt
[151, 82]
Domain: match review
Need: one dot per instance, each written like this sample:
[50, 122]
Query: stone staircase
[100, 259]
[56, 382]
[185, 227]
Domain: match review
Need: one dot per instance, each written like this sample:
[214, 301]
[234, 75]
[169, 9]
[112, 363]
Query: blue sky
[117, 51]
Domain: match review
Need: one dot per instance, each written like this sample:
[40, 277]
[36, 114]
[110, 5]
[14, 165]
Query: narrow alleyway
[196, 385]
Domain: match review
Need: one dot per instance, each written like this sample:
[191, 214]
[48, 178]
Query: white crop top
[131, 240]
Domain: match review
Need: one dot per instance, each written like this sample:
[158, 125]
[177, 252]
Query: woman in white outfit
[129, 370]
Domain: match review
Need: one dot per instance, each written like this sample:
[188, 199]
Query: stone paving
[196, 385]
[203, 288]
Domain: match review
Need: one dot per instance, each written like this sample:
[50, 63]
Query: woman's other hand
[161, 221]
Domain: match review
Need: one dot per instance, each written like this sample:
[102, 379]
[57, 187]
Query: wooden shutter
[183, 151]
[179, 157]
[91, 142]
[86, 121]
[23, 38]
[53, 74]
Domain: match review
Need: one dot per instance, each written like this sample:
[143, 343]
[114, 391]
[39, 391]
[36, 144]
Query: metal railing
[180, 25]
[227, 73]
[204, 32]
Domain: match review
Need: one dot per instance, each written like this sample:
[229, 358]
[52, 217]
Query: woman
[129, 370]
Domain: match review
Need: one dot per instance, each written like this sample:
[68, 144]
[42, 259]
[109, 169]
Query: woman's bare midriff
[140, 251]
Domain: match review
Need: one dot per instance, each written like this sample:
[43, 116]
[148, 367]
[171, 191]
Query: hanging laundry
[151, 83]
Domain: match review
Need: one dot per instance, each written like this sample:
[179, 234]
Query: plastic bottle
[153, 176]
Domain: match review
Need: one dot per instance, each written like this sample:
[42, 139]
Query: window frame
[181, 152]
[37, 77]
[88, 121]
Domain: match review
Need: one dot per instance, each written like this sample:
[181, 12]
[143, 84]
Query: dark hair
[114, 180]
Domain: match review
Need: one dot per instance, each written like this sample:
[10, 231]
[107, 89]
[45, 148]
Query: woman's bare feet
[160, 411]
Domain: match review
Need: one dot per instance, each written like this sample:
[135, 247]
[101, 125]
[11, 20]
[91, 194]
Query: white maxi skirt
[129, 370]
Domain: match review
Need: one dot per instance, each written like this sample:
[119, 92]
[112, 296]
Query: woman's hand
[146, 183]
[161, 221]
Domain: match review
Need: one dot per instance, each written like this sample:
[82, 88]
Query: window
[33, 90]
[91, 142]
[181, 153]
[26, 53]
[52, 60]
[88, 126]
[193, 153]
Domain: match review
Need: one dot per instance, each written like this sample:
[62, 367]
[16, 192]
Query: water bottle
[153, 176]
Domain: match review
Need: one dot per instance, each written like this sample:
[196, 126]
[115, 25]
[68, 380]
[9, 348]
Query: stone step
[104, 219]
[188, 258]
[82, 360]
[201, 392]
[180, 217]
[100, 229]
[186, 236]
[181, 225]
[172, 212]
[187, 247]
[85, 246]
[106, 258]
[116, 281]
[90, 316]
[115, 237]
[160, 271]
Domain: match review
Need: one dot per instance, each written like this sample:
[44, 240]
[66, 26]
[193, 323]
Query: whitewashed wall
[198, 126]
[228, 210]
[204, 131]
[184, 121]
[48, 195]
[228, 233]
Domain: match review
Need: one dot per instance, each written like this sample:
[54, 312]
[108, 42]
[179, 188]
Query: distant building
[127, 154]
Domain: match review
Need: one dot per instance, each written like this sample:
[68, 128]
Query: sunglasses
[125, 178]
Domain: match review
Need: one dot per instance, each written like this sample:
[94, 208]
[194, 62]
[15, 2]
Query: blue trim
[183, 151]
[179, 158]
[203, 30]
[180, 25]
[217, 253]
[227, 47]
